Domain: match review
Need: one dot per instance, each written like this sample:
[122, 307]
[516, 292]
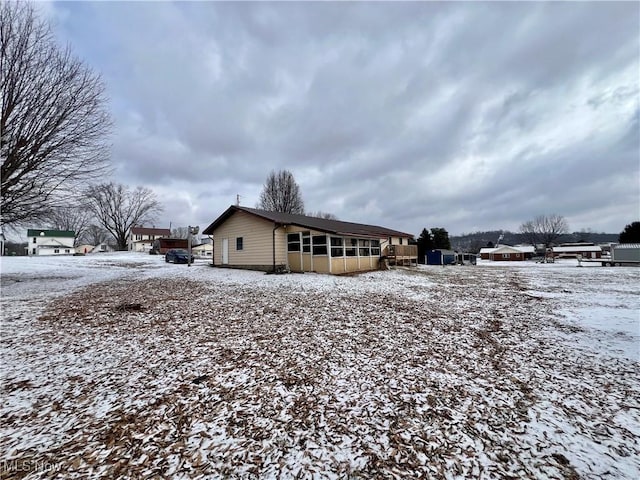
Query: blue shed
[441, 257]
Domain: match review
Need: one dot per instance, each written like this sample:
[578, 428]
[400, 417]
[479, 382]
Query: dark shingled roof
[336, 227]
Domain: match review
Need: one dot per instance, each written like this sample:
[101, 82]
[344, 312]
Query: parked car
[177, 255]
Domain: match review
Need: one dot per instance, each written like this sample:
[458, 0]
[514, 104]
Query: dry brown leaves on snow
[169, 378]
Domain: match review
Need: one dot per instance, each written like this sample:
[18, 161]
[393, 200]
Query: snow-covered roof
[626, 245]
[586, 248]
[55, 243]
[518, 248]
[526, 248]
[507, 249]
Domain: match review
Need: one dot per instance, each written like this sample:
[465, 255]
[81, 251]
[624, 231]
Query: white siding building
[50, 242]
[140, 239]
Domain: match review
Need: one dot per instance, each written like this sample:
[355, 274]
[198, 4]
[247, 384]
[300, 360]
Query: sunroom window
[375, 248]
[363, 247]
[351, 250]
[293, 242]
[306, 242]
[337, 247]
[319, 244]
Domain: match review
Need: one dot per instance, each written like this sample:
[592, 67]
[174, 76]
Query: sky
[467, 116]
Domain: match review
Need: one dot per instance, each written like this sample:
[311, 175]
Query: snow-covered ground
[122, 366]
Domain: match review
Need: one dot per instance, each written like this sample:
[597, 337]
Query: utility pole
[192, 231]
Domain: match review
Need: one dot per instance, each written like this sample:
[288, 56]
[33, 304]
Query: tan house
[140, 239]
[260, 240]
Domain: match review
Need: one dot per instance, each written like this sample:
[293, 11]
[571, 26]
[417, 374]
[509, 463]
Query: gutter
[275, 227]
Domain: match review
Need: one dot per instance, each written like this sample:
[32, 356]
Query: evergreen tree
[630, 234]
[440, 239]
[425, 243]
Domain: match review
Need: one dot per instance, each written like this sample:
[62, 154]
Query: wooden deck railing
[401, 254]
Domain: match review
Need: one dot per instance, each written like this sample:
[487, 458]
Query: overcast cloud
[467, 116]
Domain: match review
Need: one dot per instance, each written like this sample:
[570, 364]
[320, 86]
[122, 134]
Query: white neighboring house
[576, 250]
[84, 249]
[203, 250]
[103, 248]
[50, 242]
[140, 239]
[100, 248]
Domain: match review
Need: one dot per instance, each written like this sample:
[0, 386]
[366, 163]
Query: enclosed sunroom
[271, 241]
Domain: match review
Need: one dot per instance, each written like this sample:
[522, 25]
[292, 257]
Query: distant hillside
[473, 242]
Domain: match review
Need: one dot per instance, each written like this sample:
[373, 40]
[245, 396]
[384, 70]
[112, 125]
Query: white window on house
[33, 251]
[351, 250]
[138, 237]
[337, 247]
[306, 242]
[400, 240]
[239, 243]
[34, 239]
[505, 255]
[66, 250]
[319, 244]
[363, 247]
[293, 242]
[375, 248]
[56, 250]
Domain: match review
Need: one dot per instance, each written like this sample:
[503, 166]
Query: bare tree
[183, 232]
[180, 232]
[117, 208]
[94, 235]
[544, 229]
[70, 218]
[529, 232]
[54, 122]
[321, 214]
[281, 194]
